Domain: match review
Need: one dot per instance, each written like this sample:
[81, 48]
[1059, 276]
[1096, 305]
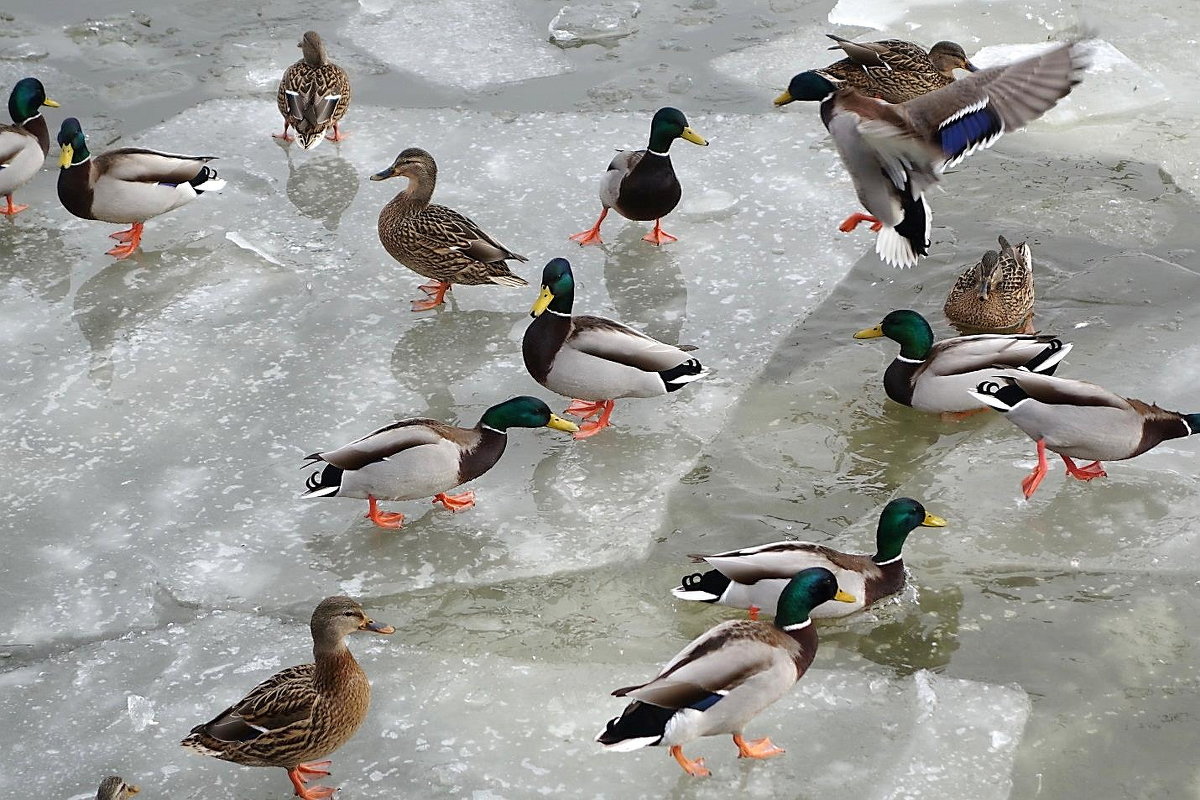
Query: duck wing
[281, 700]
[149, 166]
[385, 442]
[613, 341]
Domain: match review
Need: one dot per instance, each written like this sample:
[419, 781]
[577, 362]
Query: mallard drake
[302, 713]
[754, 577]
[594, 360]
[113, 788]
[25, 143]
[893, 70]
[725, 677]
[415, 458]
[129, 185]
[894, 153]
[996, 294]
[313, 95]
[938, 377]
[434, 241]
[1077, 419]
[641, 184]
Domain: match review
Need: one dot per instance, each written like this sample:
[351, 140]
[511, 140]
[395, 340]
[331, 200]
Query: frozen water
[593, 22]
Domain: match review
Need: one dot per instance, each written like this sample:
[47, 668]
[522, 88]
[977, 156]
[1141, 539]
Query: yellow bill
[844, 597]
[49, 102]
[932, 521]
[64, 158]
[784, 99]
[870, 333]
[693, 137]
[542, 303]
[560, 424]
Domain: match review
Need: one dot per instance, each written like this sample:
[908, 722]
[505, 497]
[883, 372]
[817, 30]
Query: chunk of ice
[594, 22]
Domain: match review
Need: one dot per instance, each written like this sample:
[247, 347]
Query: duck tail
[206, 180]
[676, 378]
[323, 483]
[640, 725]
[902, 245]
[707, 587]
[1047, 361]
[1002, 394]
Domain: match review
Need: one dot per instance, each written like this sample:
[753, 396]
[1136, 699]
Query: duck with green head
[415, 458]
[129, 185]
[595, 360]
[641, 184]
[1077, 419]
[25, 143]
[753, 577]
[726, 677]
[937, 377]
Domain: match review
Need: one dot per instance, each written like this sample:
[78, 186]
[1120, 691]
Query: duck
[937, 377]
[896, 152]
[894, 70]
[726, 677]
[753, 577]
[641, 184]
[302, 714]
[130, 185]
[438, 242]
[1078, 419]
[419, 457]
[994, 295]
[595, 360]
[113, 788]
[25, 143]
[313, 95]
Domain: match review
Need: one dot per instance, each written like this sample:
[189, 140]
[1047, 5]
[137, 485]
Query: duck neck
[484, 455]
[36, 125]
[334, 663]
[916, 341]
[660, 142]
[805, 636]
[415, 197]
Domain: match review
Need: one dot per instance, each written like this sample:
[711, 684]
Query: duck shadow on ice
[25, 263]
[646, 285]
[322, 188]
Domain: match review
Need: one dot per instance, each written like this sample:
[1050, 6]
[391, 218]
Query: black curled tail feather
[708, 587]
[205, 175]
[324, 483]
[638, 721]
[1005, 390]
[1050, 353]
[676, 378]
[914, 226]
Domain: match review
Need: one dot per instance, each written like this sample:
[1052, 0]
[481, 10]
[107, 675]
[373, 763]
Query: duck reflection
[909, 636]
[30, 260]
[646, 286]
[322, 188]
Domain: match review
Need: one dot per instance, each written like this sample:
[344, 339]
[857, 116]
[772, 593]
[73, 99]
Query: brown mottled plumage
[434, 241]
[302, 713]
[996, 294]
[894, 70]
[313, 95]
[113, 788]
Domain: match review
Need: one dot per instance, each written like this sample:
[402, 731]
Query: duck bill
[693, 137]
[560, 424]
[54, 104]
[784, 99]
[844, 597]
[932, 521]
[376, 627]
[382, 176]
[542, 303]
[870, 333]
[969, 67]
[64, 158]
[129, 787]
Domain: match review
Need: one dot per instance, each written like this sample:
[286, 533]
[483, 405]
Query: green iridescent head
[908, 328]
[74, 146]
[668, 125]
[898, 519]
[524, 412]
[808, 85]
[27, 97]
[558, 288]
[807, 590]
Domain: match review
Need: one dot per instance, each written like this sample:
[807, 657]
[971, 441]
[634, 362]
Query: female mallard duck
[641, 184]
[113, 788]
[302, 713]
[894, 153]
[938, 377]
[129, 185]
[725, 677]
[1077, 419]
[894, 70]
[594, 360]
[754, 577]
[434, 241]
[313, 96]
[25, 143]
[995, 295]
[421, 457]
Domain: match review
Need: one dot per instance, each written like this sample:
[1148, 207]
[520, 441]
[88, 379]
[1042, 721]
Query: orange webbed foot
[851, 222]
[592, 234]
[591, 428]
[435, 291]
[758, 748]
[338, 136]
[1085, 473]
[10, 209]
[384, 519]
[455, 502]
[584, 408]
[658, 236]
[694, 768]
[130, 239]
[299, 779]
[1034, 479]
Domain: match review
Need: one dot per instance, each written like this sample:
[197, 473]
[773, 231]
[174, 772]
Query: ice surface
[593, 22]
[465, 44]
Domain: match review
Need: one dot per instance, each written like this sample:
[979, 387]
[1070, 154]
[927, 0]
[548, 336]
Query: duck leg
[11, 209]
[455, 502]
[1086, 472]
[694, 768]
[436, 293]
[1034, 479]
[658, 236]
[851, 222]
[298, 778]
[284, 136]
[753, 613]
[592, 428]
[384, 519]
[129, 241]
[337, 135]
[585, 408]
[592, 234]
[758, 748]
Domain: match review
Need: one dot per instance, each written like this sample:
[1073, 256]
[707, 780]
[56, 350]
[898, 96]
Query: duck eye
[349, 614]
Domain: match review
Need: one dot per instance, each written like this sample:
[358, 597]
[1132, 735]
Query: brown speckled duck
[996, 294]
[894, 70]
[302, 713]
[25, 143]
[313, 95]
[113, 788]
[434, 241]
